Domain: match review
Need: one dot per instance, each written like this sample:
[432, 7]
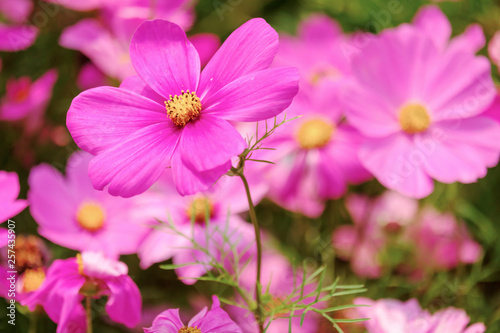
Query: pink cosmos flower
[316, 156]
[280, 282]
[432, 241]
[215, 320]
[441, 243]
[28, 100]
[16, 37]
[90, 274]
[425, 95]
[181, 118]
[86, 220]
[9, 191]
[221, 205]
[317, 51]
[390, 315]
[494, 49]
[374, 220]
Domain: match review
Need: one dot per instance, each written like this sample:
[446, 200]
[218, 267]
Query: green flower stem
[255, 222]
[88, 308]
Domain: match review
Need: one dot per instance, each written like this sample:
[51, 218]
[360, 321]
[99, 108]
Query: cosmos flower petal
[164, 58]
[16, 38]
[249, 48]
[9, 191]
[215, 320]
[159, 246]
[210, 142]
[166, 322]
[471, 40]
[256, 96]
[397, 164]
[433, 22]
[464, 152]
[136, 84]
[319, 28]
[124, 303]
[189, 181]
[206, 44]
[103, 117]
[132, 166]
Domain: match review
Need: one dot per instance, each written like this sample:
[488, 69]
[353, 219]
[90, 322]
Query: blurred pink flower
[440, 242]
[90, 274]
[71, 213]
[28, 100]
[181, 118]
[494, 49]
[394, 316]
[433, 241]
[281, 283]
[316, 156]
[364, 242]
[317, 51]
[9, 204]
[106, 41]
[90, 77]
[16, 36]
[226, 230]
[419, 102]
[214, 320]
[494, 110]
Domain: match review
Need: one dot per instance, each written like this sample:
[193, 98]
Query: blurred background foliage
[475, 288]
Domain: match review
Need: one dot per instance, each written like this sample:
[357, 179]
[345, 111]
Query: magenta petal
[249, 48]
[206, 44]
[137, 85]
[102, 117]
[124, 304]
[432, 21]
[256, 96]
[16, 38]
[189, 181]
[215, 321]
[397, 164]
[209, 142]
[166, 322]
[132, 166]
[319, 28]
[9, 191]
[164, 58]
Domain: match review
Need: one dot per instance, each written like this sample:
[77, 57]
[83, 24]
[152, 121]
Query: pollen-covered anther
[33, 279]
[199, 209]
[190, 330]
[183, 108]
[315, 133]
[414, 118]
[90, 216]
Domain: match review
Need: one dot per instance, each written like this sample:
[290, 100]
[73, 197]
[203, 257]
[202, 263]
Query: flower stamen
[315, 133]
[190, 330]
[414, 118]
[199, 208]
[183, 108]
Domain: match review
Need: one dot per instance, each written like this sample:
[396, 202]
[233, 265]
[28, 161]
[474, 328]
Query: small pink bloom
[214, 320]
[136, 137]
[316, 156]
[28, 100]
[419, 101]
[90, 274]
[391, 315]
[16, 36]
[16, 11]
[222, 204]
[363, 242]
[86, 220]
[9, 204]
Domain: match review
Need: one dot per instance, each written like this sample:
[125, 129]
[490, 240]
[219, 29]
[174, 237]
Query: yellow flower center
[90, 216]
[199, 209]
[32, 279]
[414, 118]
[315, 133]
[183, 108]
[79, 261]
[189, 330]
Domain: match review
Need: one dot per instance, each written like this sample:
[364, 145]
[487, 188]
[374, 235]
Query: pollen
[315, 133]
[90, 216]
[199, 209]
[190, 330]
[33, 279]
[414, 118]
[183, 108]
[79, 262]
